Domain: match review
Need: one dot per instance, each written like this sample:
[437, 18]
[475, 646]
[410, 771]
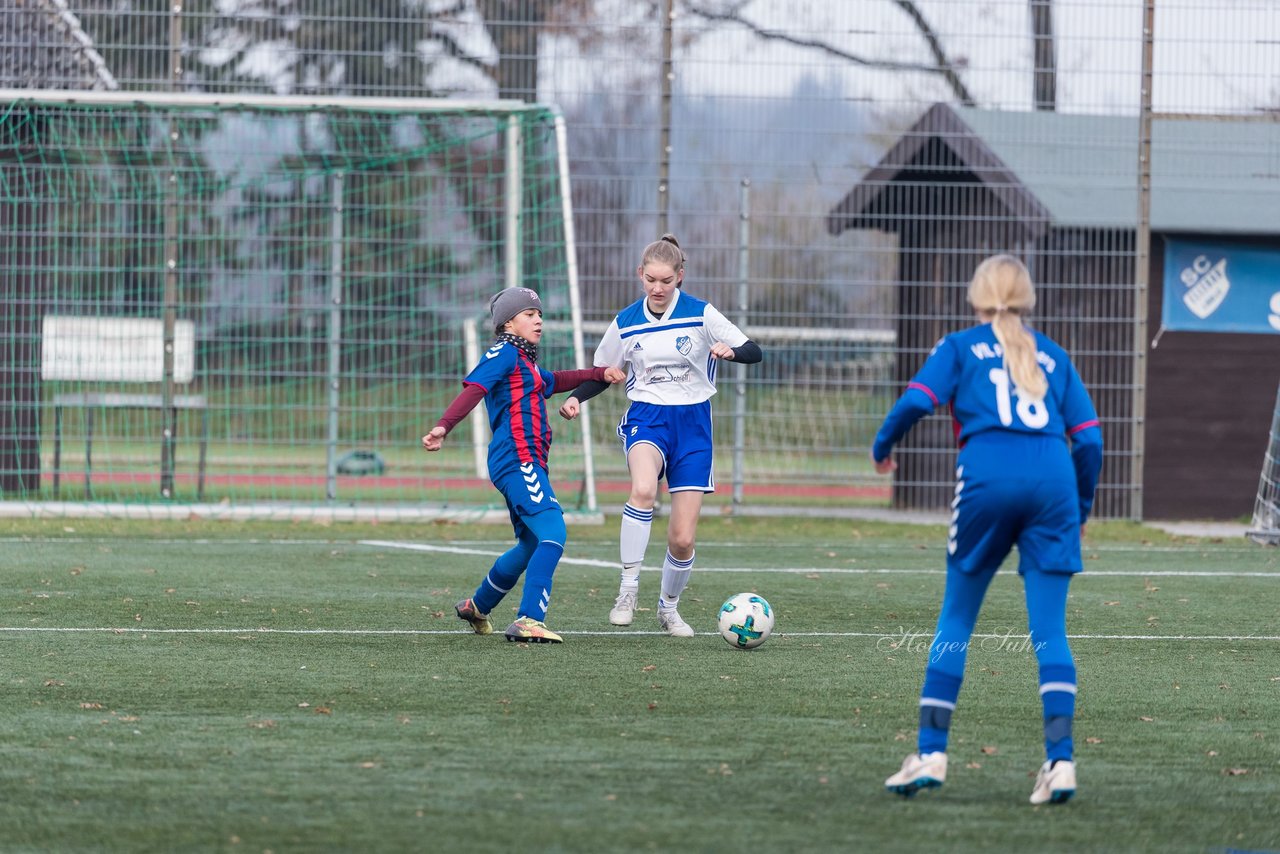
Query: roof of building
[43, 46]
[1209, 176]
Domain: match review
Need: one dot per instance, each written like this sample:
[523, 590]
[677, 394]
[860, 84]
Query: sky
[1211, 55]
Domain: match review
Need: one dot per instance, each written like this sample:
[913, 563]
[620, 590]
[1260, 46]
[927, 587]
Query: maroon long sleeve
[569, 380]
[462, 405]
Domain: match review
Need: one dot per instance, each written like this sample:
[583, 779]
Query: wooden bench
[117, 349]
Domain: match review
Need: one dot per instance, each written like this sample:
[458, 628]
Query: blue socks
[1058, 697]
[937, 702]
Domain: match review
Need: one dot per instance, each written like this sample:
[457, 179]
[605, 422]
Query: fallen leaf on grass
[974, 765]
[1093, 739]
[1235, 772]
[1146, 719]
[990, 750]
[91, 705]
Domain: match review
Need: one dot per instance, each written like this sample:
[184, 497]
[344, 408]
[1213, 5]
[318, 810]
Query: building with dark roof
[1061, 192]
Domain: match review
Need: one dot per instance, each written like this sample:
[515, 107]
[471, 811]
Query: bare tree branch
[943, 65]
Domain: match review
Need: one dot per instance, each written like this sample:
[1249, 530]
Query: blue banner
[1221, 287]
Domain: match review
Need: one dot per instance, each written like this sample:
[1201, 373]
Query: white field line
[133, 630]
[794, 570]
[502, 544]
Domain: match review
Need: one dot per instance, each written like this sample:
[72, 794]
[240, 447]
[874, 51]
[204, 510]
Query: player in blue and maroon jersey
[1030, 454]
[514, 389]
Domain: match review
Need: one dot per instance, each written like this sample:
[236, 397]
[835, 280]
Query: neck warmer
[527, 347]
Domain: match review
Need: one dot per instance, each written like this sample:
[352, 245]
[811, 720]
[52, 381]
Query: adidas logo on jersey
[637, 347]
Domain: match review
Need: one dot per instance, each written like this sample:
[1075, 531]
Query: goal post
[329, 254]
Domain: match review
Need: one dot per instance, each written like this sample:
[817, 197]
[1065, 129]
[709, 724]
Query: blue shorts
[1020, 492]
[527, 491]
[682, 434]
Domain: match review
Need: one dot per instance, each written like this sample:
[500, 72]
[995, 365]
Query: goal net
[258, 306]
[1265, 527]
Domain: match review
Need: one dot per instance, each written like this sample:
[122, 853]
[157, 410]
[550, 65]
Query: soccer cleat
[466, 610]
[529, 630]
[624, 609]
[1056, 782]
[669, 619]
[919, 771]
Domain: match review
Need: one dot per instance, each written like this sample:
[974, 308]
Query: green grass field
[258, 687]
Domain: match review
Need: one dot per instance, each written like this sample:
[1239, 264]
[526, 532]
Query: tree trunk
[514, 26]
[1044, 55]
[20, 220]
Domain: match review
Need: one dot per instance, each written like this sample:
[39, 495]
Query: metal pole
[169, 415]
[1142, 265]
[664, 120]
[513, 243]
[740, 387]
[479, 426]
[575, 305]
[335, 332]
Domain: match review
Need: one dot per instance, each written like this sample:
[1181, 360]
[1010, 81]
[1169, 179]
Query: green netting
[244, 304]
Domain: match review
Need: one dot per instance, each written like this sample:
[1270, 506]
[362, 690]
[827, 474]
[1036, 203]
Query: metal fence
[835, 171]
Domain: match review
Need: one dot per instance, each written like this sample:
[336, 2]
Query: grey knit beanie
[508, 303]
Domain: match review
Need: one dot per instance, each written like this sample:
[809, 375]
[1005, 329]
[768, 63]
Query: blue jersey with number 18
[966, 370]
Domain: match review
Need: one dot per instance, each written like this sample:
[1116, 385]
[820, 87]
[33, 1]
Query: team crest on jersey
[684, 344]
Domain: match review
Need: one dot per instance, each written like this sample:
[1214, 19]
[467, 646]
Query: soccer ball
[745, 621]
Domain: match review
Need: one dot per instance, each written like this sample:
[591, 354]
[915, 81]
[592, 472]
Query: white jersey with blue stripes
[668, 358]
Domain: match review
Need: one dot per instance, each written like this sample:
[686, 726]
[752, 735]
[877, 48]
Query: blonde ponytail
[1001, 290]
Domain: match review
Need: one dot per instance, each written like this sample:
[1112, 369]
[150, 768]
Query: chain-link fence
[834, 170]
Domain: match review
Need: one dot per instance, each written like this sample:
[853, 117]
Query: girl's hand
[572, 407]
[433, 440]
[884, 466]
[614, 375]
[721, 350]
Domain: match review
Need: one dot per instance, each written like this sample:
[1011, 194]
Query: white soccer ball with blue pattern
[746, 621]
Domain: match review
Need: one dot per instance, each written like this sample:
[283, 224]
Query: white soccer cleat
[669, 619]
[624, 609]
[919, 771]
[1056, 783]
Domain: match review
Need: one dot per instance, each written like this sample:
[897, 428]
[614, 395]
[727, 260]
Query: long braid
[1001, 289]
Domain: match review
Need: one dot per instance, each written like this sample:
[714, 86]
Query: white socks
[632, 542]
[675, 576]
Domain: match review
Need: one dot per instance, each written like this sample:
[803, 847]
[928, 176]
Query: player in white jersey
[671, 344]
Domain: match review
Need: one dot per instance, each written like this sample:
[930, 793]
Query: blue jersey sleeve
[1085, 432]
[548, 381]
[495, 365]
[932, 386]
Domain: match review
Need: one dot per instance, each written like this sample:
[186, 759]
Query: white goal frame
[512, 275]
